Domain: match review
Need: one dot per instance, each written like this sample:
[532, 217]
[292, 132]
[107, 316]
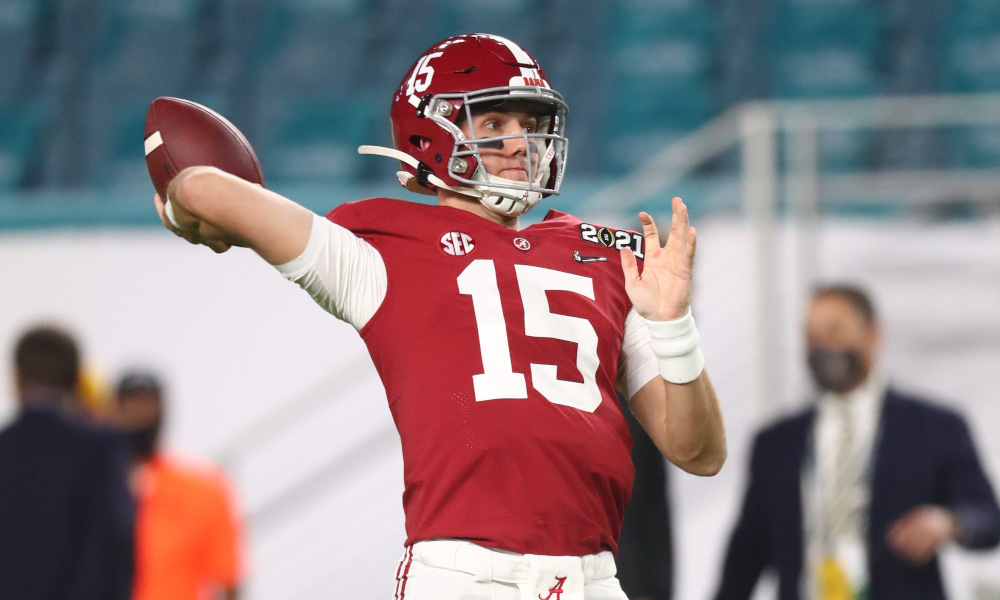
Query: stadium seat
[309, 141]
[20, 32]
[823, 73]
[825, 22]
[827, 49]
[144, 49]
[660, 58]
[309, 48]
[148, 45]
[972, 65]
[824, 48]
[650, 20]
[20, 131]
[976, 147]
[123, 161]
[658, 87]
[626, 151]
[306, 69]
[514, 19]
[911, 64]
[972, 53]
[675, 101]
[387, 54]
[740, 68]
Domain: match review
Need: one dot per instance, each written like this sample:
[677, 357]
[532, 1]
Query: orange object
[94, 391]
[188, 534]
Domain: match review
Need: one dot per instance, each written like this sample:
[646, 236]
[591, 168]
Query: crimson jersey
[499, 353]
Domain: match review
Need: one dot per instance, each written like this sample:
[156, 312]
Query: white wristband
[675, 344]
[168, 209]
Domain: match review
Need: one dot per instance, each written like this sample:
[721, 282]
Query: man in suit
[855, 496]
[66, 513]
[645, 557]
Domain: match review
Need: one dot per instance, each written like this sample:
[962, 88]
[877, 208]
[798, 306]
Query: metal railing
[757, 129]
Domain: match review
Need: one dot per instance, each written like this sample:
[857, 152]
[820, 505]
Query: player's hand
[663, 291]
[192, 229]
[919, 534]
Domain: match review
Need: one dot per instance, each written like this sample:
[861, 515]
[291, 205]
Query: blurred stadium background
[813, 139]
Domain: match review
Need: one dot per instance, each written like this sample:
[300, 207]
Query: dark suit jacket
[924, 455]
[645, 550]
[66, 514]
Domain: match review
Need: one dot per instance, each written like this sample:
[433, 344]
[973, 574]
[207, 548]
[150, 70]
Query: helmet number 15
[421, 77]
[498, 379]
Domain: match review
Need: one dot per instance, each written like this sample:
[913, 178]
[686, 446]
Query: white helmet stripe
[529, 76]
[519, 54]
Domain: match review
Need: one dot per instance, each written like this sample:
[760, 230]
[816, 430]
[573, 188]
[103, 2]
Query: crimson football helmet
[442, 91]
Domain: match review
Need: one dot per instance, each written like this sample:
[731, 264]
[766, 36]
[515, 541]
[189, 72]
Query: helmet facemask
[546, 147]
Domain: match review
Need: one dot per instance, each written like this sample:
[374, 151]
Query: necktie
[841, 507]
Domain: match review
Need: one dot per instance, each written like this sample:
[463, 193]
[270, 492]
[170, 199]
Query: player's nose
[516, 145]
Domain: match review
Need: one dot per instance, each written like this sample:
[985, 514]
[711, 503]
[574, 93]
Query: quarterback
[500, 347]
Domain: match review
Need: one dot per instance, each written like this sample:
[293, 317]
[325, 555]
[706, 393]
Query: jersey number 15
[498, 379]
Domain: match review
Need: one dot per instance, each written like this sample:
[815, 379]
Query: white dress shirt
[863, 408]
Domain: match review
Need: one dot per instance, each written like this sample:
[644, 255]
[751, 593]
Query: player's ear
[421, 142]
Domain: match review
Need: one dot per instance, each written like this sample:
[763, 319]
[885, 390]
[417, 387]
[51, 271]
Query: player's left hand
[663, 291]
[919, 534]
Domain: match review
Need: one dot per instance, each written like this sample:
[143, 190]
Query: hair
[136, 382]
[859, 299]
[48, 356]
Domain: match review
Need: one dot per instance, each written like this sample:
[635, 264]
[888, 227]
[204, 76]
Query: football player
[500, 347]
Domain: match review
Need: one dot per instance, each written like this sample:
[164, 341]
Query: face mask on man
[836, 371]
[143, 441]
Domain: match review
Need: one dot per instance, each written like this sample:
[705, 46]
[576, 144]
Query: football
[181, 134]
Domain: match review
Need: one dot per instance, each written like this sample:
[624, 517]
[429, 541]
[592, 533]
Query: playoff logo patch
[612, 238]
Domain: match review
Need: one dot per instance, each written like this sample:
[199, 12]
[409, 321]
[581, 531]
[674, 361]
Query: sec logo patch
[456, 243]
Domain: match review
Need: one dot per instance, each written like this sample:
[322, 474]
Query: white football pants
[460, 570]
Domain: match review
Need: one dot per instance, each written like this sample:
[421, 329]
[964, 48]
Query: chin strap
[497, 202]
[408, 180]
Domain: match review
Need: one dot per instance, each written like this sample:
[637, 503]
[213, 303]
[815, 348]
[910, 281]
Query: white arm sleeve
[342, 272]
[637, 364]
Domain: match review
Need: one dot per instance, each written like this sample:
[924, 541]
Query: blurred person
[500, 348]
[645, 551]
[66, 514]
[188, 532]
[856, 496]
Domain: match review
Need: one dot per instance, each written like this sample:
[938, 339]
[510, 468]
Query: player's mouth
[515, 173]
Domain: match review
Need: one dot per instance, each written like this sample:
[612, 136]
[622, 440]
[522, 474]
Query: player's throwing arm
[210, 184]
[219, 210]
